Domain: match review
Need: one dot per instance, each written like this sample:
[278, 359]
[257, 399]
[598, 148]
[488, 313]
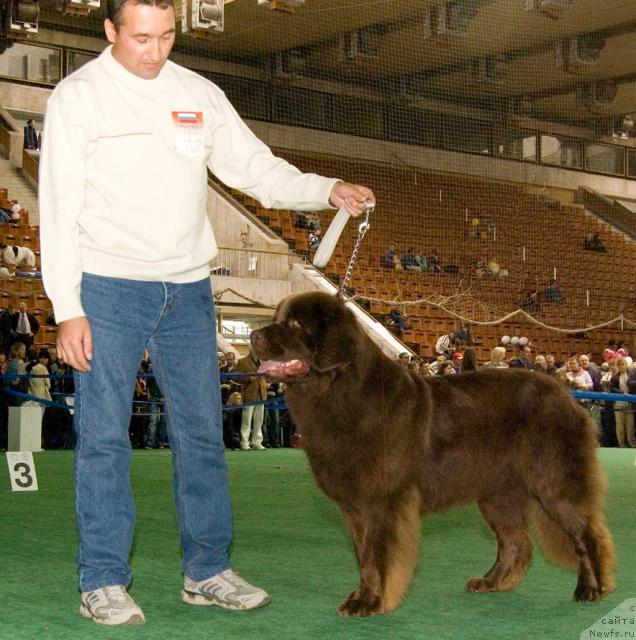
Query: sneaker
[226, 590]
[258, 447]
[245, 446]
[111, 606]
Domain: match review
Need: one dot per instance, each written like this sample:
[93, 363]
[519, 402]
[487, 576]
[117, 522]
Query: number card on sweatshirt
[188, 127]
[22, 471]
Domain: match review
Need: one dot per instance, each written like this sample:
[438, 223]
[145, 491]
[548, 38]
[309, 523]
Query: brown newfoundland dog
[389, 447]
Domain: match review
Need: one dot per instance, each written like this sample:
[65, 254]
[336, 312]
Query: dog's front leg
[386, 538]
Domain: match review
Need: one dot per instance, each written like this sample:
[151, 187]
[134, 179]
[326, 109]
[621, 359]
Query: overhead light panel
[23, 16]
[282, 5]
[77, 7]
[489, 70]
[199, 17]
[550, 8]
[572, 54]
[599, 93]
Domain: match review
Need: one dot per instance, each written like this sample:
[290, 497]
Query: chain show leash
[367, 209]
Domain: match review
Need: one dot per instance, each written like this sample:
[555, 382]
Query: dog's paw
[479, 585]
[586, 593]
[361, 605]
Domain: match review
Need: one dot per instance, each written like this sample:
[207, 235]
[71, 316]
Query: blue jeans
[176, 323]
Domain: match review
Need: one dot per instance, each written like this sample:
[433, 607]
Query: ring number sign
[22, 471]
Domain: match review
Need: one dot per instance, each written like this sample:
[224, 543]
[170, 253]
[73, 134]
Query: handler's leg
[183, 352]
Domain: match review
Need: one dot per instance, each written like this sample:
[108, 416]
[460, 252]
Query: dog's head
[311, 333]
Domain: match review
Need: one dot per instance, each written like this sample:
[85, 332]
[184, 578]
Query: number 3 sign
[22, 471]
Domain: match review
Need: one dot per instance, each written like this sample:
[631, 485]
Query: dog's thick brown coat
[389, 446]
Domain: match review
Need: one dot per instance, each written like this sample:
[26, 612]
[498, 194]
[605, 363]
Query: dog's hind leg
[506, 513]
[386, 538]
[591, 541]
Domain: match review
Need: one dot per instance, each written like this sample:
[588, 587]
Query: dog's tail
[556, 543]
[559, 547]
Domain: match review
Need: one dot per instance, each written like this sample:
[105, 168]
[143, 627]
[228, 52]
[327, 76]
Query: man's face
[22, 307]
[230, 357]
[549, 360]
[584, 361]
[144, 39]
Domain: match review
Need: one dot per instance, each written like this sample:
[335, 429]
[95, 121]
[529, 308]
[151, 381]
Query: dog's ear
[336, 343]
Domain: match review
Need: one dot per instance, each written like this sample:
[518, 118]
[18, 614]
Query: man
[126, 247]
[253, 389]
[30, 136]
[523, 358]
[24, 326]
[577, 377]
[595, 374]
[444, 345]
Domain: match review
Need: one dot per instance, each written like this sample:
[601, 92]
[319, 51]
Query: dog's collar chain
[363, 227]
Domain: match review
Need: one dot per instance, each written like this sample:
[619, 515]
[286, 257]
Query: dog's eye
[293, 324]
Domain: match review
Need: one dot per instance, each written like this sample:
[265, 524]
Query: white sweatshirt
[123, 177]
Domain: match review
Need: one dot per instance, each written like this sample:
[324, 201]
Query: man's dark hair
[115, 7]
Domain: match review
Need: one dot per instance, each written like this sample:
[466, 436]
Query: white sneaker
[111, 606]
[258, 447]
[245, 446]
[226, 590]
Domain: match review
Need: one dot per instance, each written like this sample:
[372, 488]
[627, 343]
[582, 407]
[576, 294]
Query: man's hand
[75, 343]
[351, 196]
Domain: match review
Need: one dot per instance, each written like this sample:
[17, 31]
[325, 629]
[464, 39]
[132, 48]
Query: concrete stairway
[20, 189]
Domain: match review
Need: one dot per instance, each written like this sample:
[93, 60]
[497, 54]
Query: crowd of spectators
[616, 374]
[411, 260]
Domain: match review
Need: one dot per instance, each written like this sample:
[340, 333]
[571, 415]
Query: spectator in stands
[157, 427]
[457, 360]
[388, 258]
[6, 337]
[253, 390]
[138, 427]
[409, 261]
[539, 363]
[24, 326]
[446, 368]
[594, 406]
[422, 261]
[31, 136]
[462, 335]
[315, 237]
[434, 263]
[126, 258]
[497, 359]
[531, 302]
[275, 391]
[17, 366]
[15, 256]
[469, 361]
[577, 377]
[434, 366]
[5, 215]
[480, 264]
[523, 358]
[593, 242]
[397, 322]
[445, 344]
[623, 382]
[552, 293]
[39, 387]
[550, 364]
[404, 358]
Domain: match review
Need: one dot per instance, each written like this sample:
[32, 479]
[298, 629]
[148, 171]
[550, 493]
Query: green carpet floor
[289, 539]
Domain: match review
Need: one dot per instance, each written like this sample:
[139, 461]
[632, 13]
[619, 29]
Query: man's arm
[244, 162]
[61, 197]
